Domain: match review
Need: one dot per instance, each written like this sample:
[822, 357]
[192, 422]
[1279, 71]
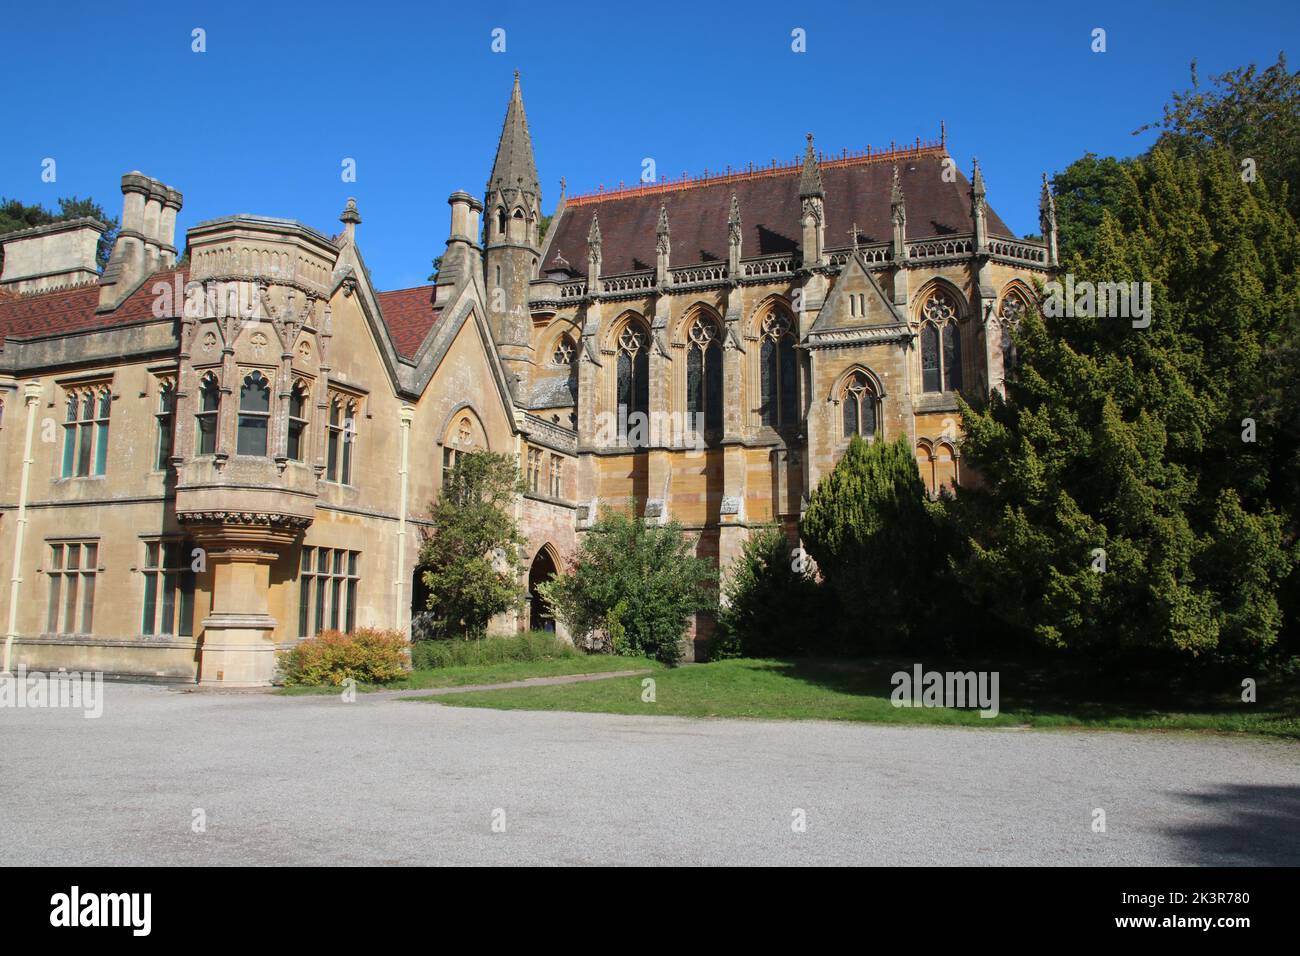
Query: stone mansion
[260, 404]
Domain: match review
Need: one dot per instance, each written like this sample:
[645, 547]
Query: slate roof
[857, 190]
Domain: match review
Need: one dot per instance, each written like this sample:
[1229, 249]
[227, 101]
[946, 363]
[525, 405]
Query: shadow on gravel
[1260, 826]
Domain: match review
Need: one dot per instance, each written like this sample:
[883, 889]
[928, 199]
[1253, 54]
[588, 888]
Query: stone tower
[512, 243]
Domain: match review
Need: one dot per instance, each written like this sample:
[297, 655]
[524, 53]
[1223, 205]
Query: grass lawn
[860, 691]
[495, 673]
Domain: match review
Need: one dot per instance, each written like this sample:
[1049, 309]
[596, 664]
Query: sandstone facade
[205, 463]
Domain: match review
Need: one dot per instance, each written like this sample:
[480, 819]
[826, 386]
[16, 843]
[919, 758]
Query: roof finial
[943, 133]
[810, 182]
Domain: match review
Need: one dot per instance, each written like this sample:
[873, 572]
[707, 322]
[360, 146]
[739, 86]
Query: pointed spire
[977, 208]
[593, 254]
[898, 216]
[663, 246]
[810, 183]
[735, 236]
[514, 166]
[1047, 220]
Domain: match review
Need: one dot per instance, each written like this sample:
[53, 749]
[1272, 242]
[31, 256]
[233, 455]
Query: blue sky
[262, 121]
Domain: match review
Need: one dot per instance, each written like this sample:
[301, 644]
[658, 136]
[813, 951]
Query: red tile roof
[857, 190]
[409, 314]
[73, 310]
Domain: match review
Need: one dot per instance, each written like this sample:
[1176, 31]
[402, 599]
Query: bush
[877, 543]
[649, 571]
[368, 655]
[529, 646]
[773, 607]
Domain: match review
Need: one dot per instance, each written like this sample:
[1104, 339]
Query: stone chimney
[146, 241]
[51, 256]
[463, 255]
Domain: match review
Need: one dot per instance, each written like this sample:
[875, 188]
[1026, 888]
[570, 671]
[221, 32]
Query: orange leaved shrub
[367, 655]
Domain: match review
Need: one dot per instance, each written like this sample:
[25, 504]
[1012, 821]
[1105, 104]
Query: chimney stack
[146, 241]
[462, 256]
[52, 256]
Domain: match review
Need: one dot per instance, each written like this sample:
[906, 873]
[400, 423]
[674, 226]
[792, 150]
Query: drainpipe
[404, 417]
[32, 395]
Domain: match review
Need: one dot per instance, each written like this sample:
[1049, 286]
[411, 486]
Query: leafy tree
[1253, 113]
[648, 570]
[1084, 191]
[875, 538]
[15, 215]
[771, 603]
[470, 555]
[1122, 448]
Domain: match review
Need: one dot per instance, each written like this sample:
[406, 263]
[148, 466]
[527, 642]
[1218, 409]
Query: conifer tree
[1123, 505]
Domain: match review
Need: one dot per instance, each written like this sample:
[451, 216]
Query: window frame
[253, 415]
[327, 577]
[88, 412]
[170, 585]
[68, 595]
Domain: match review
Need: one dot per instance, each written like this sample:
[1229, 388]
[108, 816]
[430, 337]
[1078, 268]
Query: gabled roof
[73, 310]
[409, 315]
[857, 189]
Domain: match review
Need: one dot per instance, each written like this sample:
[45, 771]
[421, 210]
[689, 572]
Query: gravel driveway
[313, 780]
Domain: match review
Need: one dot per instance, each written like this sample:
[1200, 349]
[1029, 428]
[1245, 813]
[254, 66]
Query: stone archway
[542, 569]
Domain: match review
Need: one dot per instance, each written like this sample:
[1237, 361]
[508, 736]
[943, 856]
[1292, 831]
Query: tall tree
[1124, 504]
[1252, 113]
[875, 539]
[470, 554]
[648, 569]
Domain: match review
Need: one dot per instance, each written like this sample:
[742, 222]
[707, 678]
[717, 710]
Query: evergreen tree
[875, 539]
[772, 605]
[1121, 448]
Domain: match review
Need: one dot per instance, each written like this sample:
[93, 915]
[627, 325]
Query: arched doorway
[543, 569]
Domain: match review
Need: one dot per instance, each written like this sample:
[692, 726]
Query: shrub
[650, 571]
[772, 607]
[368, 655]
[876, 541]
[529, 646]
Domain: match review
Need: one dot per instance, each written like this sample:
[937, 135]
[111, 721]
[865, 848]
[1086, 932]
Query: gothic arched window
[940, 344]
[297, 422]
[254, 415]
[633, 370]
[206, 417]
[778, 373]
[1013, 307]
[704, 376]
[858, 402]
